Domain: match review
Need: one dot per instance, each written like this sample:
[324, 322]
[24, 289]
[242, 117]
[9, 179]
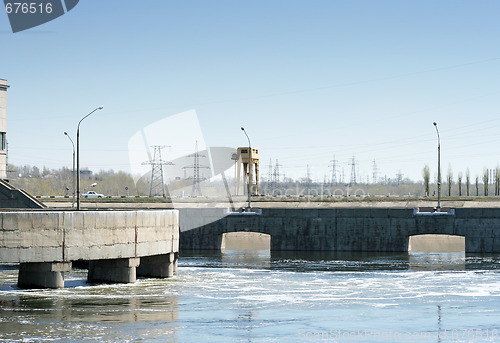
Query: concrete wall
[347, 229]
[64, 236]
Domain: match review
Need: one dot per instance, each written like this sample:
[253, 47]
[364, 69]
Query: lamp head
[435, 124]
[100, 107]
[65, 133]
[242, 128]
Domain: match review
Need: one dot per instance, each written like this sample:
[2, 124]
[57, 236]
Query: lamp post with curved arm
[78, 158]
[438, 208]
[250, 167]
[74, 176]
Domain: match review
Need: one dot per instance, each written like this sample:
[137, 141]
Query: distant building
[3, 128]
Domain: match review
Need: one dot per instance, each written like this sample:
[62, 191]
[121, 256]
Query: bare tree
[460, 176]
[467, 181]
[450, 180]
[497, 180]
[486, 179]
[427, 176]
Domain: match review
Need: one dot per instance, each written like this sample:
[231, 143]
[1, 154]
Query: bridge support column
[158, 266]
[42, 274]
[122, 270]
[176, 260]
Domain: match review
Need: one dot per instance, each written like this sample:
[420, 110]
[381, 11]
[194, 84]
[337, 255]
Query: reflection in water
[437, 261]
[439, 328]
[436, 252]
[258, 296]
[336, 261]
[247, 258]
[82, 312]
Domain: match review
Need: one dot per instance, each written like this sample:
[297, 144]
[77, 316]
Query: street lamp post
[438, 208]
[78, 158]
[74, 176]
[249, 170]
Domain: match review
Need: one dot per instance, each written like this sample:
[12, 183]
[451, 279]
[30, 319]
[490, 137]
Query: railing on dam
[118, 244]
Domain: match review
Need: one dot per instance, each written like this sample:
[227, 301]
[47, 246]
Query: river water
[258, 296]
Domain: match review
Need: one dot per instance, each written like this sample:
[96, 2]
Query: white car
[92, 194]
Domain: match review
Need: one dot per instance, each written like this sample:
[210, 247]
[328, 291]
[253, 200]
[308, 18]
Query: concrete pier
[436, 244]
[42, 275]
[121, 270]
[159, 266]
[45, 243]
[245, 241]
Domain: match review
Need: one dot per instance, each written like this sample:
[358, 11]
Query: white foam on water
[227, 301]
[282, 299]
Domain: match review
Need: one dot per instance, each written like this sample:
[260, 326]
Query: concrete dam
[342, 229]
[123, 244]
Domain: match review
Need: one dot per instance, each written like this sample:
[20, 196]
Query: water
[253, 296]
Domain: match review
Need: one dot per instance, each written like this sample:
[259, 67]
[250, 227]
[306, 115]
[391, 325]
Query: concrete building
[3, 128]
[250, 161]
[10, 197]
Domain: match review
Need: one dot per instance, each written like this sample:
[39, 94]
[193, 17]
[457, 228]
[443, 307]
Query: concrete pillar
[176, 260]
[159, 266]
[42, 274]
[122, 270]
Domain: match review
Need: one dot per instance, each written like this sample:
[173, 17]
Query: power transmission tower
[353, 170]
[375, 172]
[308, 180]
[276, 174]
[270, 173]
[399, 177]
[196, 171]
[334, 170]
[157, 186]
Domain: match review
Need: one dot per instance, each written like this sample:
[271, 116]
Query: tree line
[59, 182]
[466, 186]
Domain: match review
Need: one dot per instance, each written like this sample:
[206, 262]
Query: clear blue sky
[307, 79]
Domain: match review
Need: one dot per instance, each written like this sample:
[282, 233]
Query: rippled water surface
[253, 296]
